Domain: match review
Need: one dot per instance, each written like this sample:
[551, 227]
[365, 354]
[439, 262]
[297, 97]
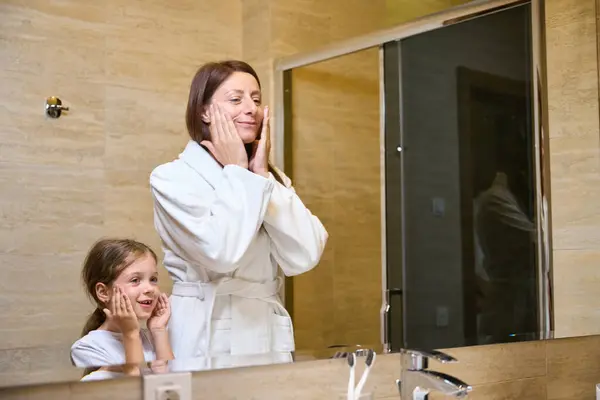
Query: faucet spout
[414, 374]
[438, 381]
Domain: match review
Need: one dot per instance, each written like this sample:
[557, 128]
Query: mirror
[468, 222]
[332, 153]
[464, 215]
[335, 115]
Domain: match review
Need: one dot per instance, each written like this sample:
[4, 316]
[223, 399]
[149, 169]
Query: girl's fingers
[128, 307]
[121, 299]
[110, 306]
[116, 301]
[166, 300]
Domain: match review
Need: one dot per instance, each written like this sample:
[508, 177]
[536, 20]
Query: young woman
[227, 219]
[121, 278]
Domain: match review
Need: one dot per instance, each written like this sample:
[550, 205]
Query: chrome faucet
[416, 375]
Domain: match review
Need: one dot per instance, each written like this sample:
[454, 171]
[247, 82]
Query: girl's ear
[102, 292]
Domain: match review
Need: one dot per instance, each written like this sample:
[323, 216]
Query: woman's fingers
[225, 144]
[260, 164]
[219, 122]
[265, 132]
[226, 126]
[214, 125]
[265, 135]
[230, 125]
[211, 120]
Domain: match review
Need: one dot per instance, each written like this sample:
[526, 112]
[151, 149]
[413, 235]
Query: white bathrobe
[224, 231]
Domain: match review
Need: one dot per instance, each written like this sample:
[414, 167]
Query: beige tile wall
[575, 160]
[124, 68]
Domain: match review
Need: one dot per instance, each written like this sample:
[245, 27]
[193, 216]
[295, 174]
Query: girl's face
[240, 96]
[139, 281]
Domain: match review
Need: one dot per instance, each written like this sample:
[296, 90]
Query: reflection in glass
[333, 159]
[460, 197]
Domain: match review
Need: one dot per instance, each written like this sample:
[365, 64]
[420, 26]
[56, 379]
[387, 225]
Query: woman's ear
[102, 292]
[204, 116]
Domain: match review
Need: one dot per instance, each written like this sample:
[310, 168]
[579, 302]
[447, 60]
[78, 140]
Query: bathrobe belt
[251, 311]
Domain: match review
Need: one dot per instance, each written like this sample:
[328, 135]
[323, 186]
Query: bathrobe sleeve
[508, 212]
[298, 237]
[212, 233]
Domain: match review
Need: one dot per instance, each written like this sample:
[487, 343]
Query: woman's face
[240, 97]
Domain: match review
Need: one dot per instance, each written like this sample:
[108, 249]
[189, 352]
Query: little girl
[120, 276]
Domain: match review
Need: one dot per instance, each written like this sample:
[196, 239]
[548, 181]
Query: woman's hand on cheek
[225, 144]
[259, 162]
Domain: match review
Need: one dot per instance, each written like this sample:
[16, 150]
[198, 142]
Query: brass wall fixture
[54, 107]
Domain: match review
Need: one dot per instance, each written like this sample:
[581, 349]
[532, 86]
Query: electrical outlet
[442, 317]
[168, 386]
[438, 206]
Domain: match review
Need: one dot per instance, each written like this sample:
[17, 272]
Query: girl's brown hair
[207, 80]
[104, 263]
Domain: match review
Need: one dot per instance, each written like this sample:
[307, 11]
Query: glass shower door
[461, 204]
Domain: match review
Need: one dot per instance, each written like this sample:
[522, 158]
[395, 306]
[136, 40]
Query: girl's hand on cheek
[120, 312]
[161, 314]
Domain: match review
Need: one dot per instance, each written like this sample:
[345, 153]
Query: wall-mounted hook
[54, 107]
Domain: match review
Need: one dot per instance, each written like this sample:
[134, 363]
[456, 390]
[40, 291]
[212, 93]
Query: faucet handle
[417, 359]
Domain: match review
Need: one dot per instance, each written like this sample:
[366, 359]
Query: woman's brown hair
[207, 80]
[104, 263]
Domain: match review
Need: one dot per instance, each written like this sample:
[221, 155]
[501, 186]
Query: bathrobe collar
[202, 162]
